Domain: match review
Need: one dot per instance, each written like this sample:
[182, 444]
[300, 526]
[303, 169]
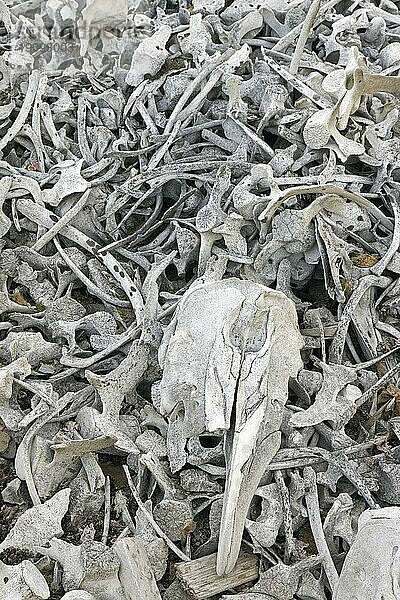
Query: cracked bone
[370, 570]
[232, 376]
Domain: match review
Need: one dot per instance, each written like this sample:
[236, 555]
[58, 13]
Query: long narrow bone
[193, 86]
[313, 509]
[51, 233]
[277, 200]
[40, 149]
[297, 83]
[337, 347]
[22, 460]
[305, 32]
[150, 518]
[254, 437]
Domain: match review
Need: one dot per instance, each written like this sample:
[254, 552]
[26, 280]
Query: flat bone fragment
[149, 57]
[135, 573]
[39, 524]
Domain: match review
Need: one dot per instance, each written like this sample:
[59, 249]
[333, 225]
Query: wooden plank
[199, 577]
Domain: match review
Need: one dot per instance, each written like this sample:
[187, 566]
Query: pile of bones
[199, 297]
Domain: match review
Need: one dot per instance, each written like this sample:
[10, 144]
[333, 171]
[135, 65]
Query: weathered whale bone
[371, 568]
[227, 357]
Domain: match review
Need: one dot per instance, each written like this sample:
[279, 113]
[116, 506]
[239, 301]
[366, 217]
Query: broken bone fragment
[135, 572]
[227, 359]
[39, 524]
[22, 582]
[149, 56]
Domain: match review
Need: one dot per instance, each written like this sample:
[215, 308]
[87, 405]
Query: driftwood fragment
[199, 577]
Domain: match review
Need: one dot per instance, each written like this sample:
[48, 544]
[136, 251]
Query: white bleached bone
[232, 375]
[22, 582]
[197, 40]
[20, 367]
[135, 573]
[360, 81]
[78, 595]
[91, 567]
[39, 524]
[112, 389]
[281, 581]
[150, 56]
[264, 530]
[29, 345]
[335, 401]
[322, 126]
[371, 567]
[70, 182]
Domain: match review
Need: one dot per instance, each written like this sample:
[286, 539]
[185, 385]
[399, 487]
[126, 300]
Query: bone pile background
[148, 147]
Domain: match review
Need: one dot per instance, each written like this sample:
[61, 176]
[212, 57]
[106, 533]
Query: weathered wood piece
[199, 577]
